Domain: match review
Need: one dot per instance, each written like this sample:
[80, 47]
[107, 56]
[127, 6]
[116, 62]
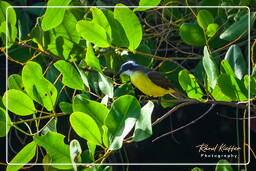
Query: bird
[151, 83]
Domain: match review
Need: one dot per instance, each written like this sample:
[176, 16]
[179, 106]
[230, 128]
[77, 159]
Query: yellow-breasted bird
[149, 82]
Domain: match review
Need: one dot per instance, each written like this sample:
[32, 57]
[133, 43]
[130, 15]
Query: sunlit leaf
[210, 68]
[3, 122]
[11, 13]
[15, 82]
[54, 145]
[147, 3]
[66, 107]
[192, 34]
[189, 84]
[71, 77]
[211, 29]
[93, 32]
[86, 127]
[204, 18]
[106, 85]
[95, 109]
[143, 127]
[121, 119]
[223, 165]
[91, 60]
[18, 102]
[38, 88]
[236, 60]
[131, 25]
[54, 16]
[23, 156]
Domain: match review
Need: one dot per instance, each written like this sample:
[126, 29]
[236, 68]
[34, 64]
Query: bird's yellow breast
[145, 85]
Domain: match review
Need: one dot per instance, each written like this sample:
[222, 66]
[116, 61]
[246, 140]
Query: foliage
[72, 63]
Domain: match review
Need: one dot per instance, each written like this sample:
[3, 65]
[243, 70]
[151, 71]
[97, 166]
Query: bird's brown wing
[159, 79]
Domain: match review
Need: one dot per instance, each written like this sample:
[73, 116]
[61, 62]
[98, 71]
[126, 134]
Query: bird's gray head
[128, 67]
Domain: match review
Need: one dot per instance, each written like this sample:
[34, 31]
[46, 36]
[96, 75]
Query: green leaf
[91, 60]
[3, 122]
[95, 109]
[63, 38]
[83, 76]
[236, 60]
[92, 148]
[143, 127]
[211, 29]
[15, 82]
[210, 68]
[11, 13]
[189, 84]
[75, 153]
[24, 156]
[232, 87]
[192, 34]
[66, 107]
[93, 32]
[147, 3]
[18, 102]
[123, 90]
[226, 68]
[119, 37]
[38, 88]
[252, 84]
[54, 145]
[54, 16]
[121, 119]
[106, 85]
[100, 18]
[131, 25]
[223, 165]
[219, 95]
[238, 28]
[86, 127]
[11, 33]
[204, 18]
[197, 169]
[71, 77]
[105, 136]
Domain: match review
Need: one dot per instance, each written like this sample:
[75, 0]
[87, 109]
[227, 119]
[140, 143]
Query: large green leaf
[192, 34]
[119, 37]
[106, 85]
[226, 68]
[147, 3]
[212, 29]
[24, 156]
[100, 18]
[95, 109]
[54, 145]
[238, 28]
[223, 165]
[38, 88]
[86, 127]
[210, 68]
[93, 32]
[121, 119]
[63, 38]
[66, 107]
[54, 16]
[204, 18]
[219, 95]
[90, 59]
[232, 87]
[18, 102]
[11, 33]
[3, 122]
[143, 127]
[131, 25]
[15, 82]
[11, 13]
[71, 77]
[236, 60]
[189, 84]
